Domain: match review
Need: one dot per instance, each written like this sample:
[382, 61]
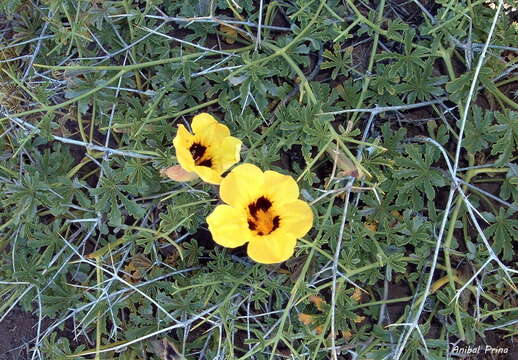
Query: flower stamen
[261, 219]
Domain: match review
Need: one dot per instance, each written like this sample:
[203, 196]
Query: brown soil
[17, 331]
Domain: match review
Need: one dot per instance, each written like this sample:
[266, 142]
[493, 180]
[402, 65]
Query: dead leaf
[359, 319]
[396, 213]
[319, 329]
[229, 33]
[177, 173]
[371, 225]
[346, 334]
[346, 166]
[317, 301]
[357, 295]
[166, 350]
[306, 319]
[136, 268]
[295, 266]
[172, 259]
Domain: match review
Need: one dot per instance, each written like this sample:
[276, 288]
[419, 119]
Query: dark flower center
[262, 220]
[199, 155]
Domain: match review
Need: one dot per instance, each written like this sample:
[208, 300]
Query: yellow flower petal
[228, 226]
[230, 149]
[209, 151]
[242, 185]
[296, 218]
[202, 121]
[281, 188]
[208, 129]
[184, 157]
[213, 134]
[208, 175]
[274, 248]
[269, 215]
[183, 138]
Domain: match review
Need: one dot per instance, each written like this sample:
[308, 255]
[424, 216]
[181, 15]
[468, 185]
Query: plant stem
[374, 50]
[99, 277]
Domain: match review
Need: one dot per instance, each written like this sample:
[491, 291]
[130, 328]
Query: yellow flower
[262, 210]
[209, 151]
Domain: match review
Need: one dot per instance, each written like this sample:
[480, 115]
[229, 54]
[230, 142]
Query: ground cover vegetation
[397, 121]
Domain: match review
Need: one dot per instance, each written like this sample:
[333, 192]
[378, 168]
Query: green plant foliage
[366, 104]
[418, 174]
[503, 232]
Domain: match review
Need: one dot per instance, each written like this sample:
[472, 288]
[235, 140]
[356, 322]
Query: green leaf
[507, 131]
[478, 133]
[417, 174]
[503, 232]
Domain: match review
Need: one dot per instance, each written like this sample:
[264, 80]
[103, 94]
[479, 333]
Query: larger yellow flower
[209, 151]
[262, 210]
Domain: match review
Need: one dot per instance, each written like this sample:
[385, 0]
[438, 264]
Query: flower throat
[198, 151]
[261, 219]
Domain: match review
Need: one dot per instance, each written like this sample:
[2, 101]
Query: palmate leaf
[392, 139]
[181, 215]
[423, 85]
[111, 193]
[349, 94]
[58, 348]
[414, 229]
[509, 188]
[188, 95]
[417, 174]
[507, 129]
[26, 195]
[247, 5]
[221, 87]
[142, 177]
[503, 231]
[410, 63]
[385, 81]
[478, 132]
[459, 87]
[339, 60]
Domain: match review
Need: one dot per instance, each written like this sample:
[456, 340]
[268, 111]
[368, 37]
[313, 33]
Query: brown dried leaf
[306, 319]
[317, 301]
[319, 329]
[359, 319]
[346, 166]
[177, 173]
[357, 295]
[136, 268]
[229, 33]
[372, 225]
[346, 334]
[166, 350]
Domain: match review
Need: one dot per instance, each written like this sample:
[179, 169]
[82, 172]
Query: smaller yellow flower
[209, 151]
[262, 210]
